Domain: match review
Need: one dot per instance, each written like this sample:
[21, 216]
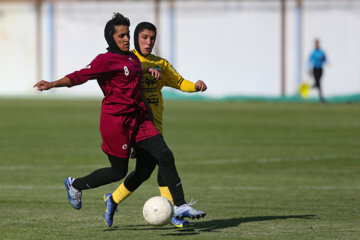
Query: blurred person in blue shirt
[315, 66]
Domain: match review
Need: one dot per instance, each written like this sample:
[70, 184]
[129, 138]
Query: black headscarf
[108, 33]
[139, 28]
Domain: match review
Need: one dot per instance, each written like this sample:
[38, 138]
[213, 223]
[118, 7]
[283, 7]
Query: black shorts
[317, 72]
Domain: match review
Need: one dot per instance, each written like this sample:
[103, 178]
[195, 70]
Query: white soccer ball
[158, 211]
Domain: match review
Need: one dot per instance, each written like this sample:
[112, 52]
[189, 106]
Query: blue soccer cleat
[111, 207]
[74, 195]
[186, 211]
[179, 222]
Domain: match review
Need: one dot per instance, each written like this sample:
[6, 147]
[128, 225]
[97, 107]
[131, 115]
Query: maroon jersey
[119, 77]
[123, 121]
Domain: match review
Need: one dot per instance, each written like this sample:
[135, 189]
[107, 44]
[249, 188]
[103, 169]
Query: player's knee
[119, 167]
[166, 159]
[119, 173]
[145, 174]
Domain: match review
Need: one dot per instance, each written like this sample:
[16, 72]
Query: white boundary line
[254, 188]
[270, 159]
[221, 188]
[29, 187]
[29, 167]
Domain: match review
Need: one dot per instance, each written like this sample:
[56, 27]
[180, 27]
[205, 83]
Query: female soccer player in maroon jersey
[124, 122]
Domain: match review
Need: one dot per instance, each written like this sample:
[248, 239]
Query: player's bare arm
[45, 85]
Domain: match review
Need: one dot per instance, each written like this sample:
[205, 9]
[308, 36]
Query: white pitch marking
[254, 188]
[36, 167]
[239, 188]
[221, 161]
[331, 187]
[297, 158]
[24, 187]
[266, 160]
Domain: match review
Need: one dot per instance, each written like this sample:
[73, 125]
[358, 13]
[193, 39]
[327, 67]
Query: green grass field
[260, 171]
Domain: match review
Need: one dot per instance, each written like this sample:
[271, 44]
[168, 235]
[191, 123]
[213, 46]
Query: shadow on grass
[207, 226]
[213, 225]
[138, 227]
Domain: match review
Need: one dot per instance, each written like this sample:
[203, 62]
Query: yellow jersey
[152, 87]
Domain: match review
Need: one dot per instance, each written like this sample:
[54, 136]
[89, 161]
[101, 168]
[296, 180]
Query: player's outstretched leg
[111, 207]
[74, 195]
[186, 210]
[179, 222]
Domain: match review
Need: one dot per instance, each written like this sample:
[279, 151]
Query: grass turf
[259, 170]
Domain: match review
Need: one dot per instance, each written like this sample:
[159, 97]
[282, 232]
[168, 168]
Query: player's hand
[43, 85]
[200, 86]
[155, 73]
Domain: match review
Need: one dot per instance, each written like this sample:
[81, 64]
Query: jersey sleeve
[171, 77]
[94, 70]
[187, 86]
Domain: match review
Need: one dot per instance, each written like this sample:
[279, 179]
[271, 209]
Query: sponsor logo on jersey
[153, 100]
[125, 146]
[126, 71]
[149, 81]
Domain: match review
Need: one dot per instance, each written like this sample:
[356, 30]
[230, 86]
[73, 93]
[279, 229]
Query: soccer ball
[158, 211]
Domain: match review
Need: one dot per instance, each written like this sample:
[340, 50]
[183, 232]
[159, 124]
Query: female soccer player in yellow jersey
[144, 38]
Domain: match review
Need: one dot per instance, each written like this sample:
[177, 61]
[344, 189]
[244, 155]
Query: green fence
[175, 95]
